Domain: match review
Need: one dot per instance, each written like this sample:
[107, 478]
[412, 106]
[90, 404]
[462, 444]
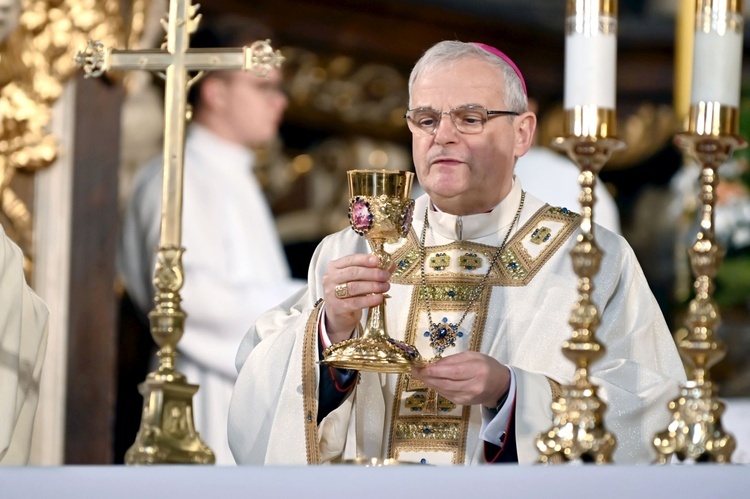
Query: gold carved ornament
[36, 59]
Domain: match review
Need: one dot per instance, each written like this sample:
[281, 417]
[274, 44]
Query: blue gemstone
[423, 461]
[427, 431]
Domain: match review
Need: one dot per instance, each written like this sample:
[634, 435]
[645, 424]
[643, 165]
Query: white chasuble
[520, 317]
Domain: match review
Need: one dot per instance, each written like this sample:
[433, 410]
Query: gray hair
[451, 51]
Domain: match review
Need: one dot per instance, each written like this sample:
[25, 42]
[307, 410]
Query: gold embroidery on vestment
[563, 212]
[513, 265]
[416, 408]
[439, 261]
[470, 261]
[428, 431]
[309, 386]
[449, 292]
[405, 262]
[541, 235]
[523, 266]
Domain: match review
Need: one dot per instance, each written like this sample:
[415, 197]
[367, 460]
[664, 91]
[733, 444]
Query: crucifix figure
[167, 433]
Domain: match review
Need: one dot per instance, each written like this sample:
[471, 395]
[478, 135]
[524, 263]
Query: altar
[120, 482]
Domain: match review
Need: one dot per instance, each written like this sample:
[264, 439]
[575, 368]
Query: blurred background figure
[234, 263]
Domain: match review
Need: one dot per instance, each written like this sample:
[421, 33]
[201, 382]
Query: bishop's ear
[525, 129]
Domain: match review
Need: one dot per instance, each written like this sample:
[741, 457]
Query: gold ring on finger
[342, 290]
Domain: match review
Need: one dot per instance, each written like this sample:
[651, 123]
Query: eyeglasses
[468, 119]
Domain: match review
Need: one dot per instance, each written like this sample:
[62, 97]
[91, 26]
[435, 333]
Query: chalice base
[381, 355]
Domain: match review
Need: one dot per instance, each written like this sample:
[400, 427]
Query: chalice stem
[384, 258]
[375, 324]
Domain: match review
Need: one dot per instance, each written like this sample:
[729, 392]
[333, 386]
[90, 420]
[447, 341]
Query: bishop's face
[467, 173]
[251, 107]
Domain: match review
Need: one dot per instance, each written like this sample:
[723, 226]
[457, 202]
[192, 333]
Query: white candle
[717, 64]
[590, 70]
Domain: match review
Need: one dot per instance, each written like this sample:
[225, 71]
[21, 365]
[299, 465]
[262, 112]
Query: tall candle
[717, 53]
[590, 54]
[683, 57]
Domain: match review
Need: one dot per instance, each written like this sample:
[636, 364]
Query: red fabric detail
[342, 389]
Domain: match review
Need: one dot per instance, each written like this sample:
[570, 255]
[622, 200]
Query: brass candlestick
[380, 209]
[589, 139]
[579, 433]
[695, 432]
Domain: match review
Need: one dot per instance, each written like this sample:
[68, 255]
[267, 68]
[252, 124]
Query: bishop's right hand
[351, 284]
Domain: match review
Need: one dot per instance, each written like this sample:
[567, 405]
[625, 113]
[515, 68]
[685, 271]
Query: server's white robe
[234, 266]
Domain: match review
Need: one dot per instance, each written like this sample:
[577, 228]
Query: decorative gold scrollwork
[36, 59]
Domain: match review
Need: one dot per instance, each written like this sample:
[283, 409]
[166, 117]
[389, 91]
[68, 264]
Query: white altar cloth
[736, 420]
[508, 481]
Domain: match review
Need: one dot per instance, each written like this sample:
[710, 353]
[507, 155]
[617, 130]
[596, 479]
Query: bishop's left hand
[466, 378]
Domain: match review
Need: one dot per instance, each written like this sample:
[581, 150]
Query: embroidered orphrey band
[309, 386]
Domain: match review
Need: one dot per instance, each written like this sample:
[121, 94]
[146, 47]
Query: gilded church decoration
[339, 87]
[39, 39]
[646, 130]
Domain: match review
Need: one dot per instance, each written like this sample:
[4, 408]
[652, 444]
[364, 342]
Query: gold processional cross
[167, 433]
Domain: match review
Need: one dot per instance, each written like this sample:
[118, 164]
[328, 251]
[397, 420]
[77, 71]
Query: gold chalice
[380, 209]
